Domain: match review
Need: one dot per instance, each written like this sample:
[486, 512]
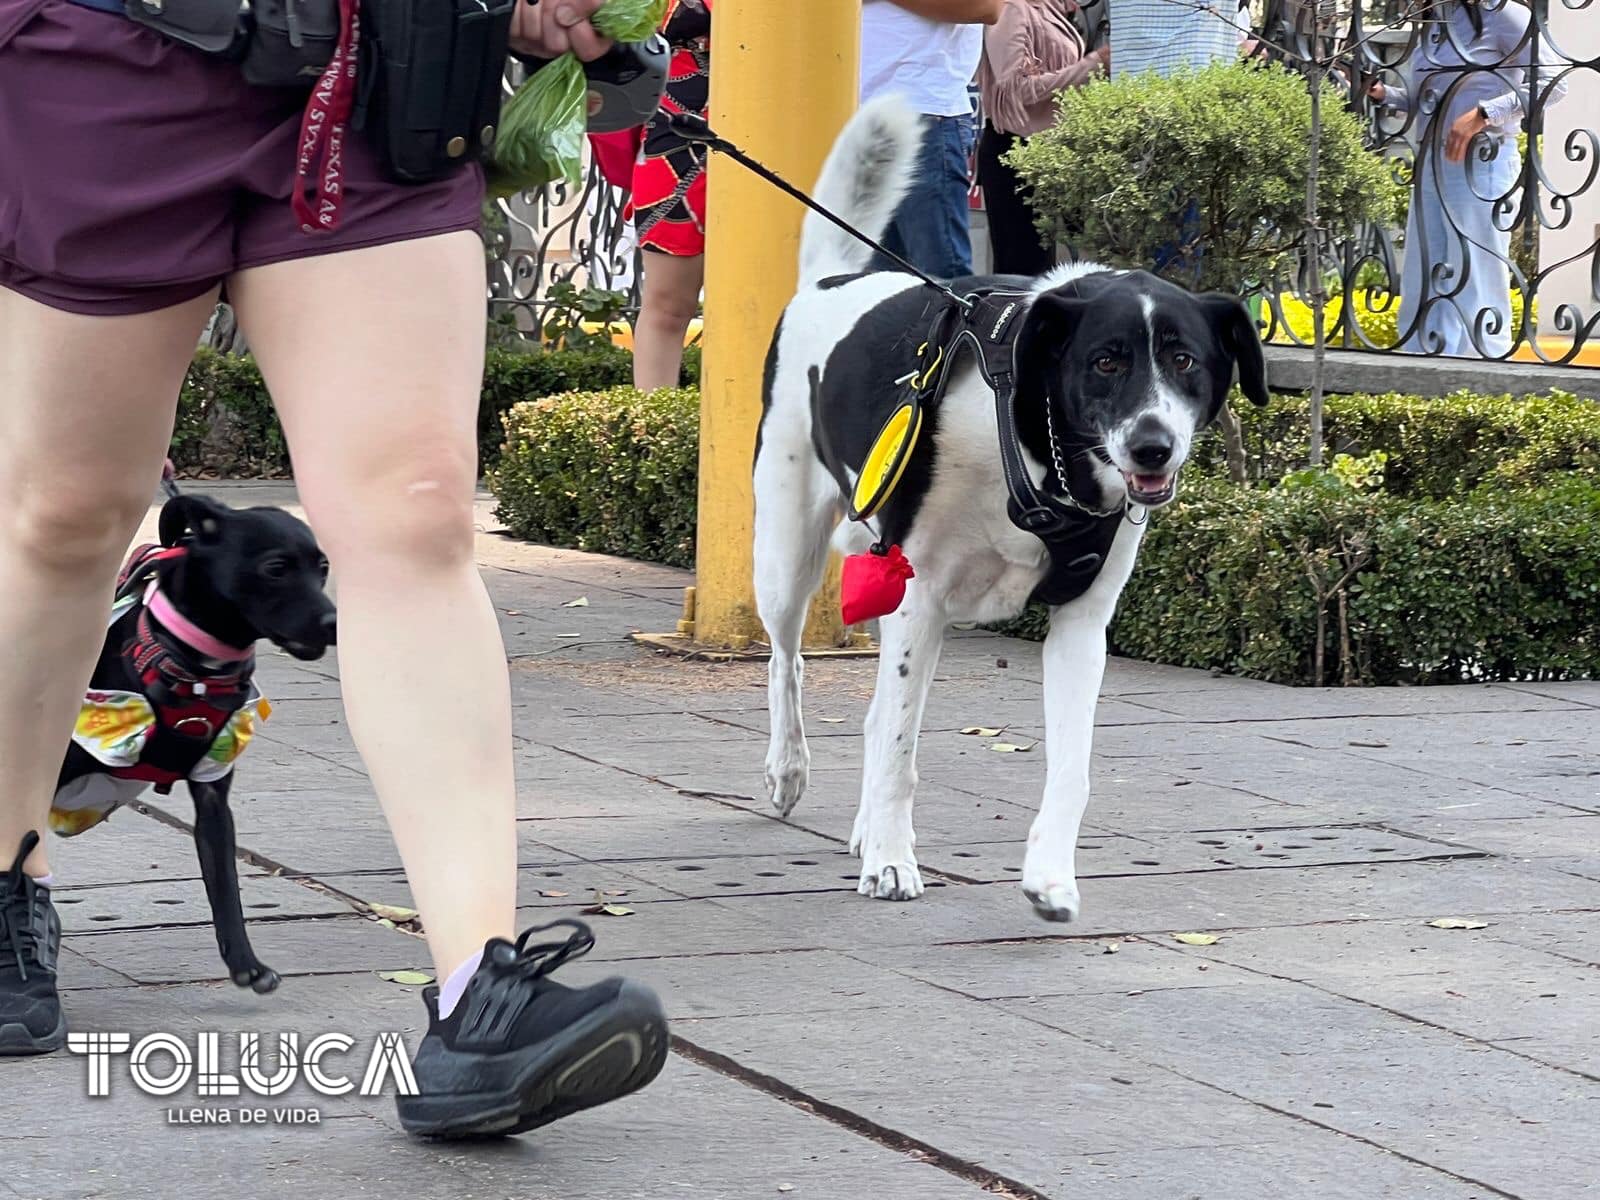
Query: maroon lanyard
[323, 128]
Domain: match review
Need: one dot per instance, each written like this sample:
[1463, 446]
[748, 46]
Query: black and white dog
[1116, 372]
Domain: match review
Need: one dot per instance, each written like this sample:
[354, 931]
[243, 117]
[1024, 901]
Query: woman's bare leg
[379, 402]
[671, 301]
[86, 409]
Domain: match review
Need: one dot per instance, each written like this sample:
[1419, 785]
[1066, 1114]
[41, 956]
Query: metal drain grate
[1179, 853]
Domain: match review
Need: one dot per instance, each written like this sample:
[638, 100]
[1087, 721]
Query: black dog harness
[1077, 536]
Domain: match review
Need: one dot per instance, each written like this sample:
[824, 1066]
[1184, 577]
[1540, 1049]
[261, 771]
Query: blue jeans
[931, 229]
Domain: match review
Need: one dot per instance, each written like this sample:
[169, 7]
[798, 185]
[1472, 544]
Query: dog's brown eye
[1105, 364]
[322, 569]
[275, 568]
[1184, 362]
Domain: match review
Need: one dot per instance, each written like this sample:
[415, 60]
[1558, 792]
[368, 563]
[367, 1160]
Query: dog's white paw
[890, 879]
[787, 778]
[1054, 899]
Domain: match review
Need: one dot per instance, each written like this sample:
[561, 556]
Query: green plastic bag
[542, 126]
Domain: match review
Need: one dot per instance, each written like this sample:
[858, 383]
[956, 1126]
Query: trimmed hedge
[1491, 586]
[613, 472]
[226, 424]
[225, 420]
[1436, 448]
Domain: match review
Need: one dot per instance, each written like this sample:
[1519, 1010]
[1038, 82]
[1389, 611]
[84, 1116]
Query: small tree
[1201, 176]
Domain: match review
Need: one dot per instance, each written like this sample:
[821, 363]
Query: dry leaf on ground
[408, 978]
[580, 602]
[1196, 939]
[1456, 923]
[392, 912]
[980, 731]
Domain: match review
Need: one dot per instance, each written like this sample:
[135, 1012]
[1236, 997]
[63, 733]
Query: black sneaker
[520, 1050]
[31, 1021]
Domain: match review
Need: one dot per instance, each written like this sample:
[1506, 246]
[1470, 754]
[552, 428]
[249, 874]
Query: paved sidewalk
[1329, 1044]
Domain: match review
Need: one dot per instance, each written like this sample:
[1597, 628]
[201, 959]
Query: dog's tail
[869, 171]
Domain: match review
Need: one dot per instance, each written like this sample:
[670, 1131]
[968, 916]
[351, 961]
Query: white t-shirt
[929, 63]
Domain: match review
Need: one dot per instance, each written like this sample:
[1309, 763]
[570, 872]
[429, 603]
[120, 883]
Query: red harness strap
[323, 128]
[143, 563]
[191, 707]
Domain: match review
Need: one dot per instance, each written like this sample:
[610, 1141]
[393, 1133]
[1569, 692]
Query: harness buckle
[1037, 520]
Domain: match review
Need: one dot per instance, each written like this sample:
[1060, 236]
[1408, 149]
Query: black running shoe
[31, 1021]
[520, 1050]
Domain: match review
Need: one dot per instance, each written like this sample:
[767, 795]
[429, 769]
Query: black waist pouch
[278, 43]
[214, 26]
[291, 41]
[431, 81]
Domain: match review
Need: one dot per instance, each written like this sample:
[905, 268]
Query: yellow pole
[783, 82]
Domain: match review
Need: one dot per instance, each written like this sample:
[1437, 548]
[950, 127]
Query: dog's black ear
[198, 514]
[1048, 329]
[1236, 330]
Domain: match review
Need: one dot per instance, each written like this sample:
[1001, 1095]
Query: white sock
[46, 880]
[453, 988]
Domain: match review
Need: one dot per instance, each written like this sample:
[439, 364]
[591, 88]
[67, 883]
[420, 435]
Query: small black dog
[172, 696]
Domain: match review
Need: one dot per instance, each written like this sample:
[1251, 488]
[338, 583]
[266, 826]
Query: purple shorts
[136, 173]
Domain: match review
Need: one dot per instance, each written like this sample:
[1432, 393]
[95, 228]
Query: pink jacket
[1029, 55]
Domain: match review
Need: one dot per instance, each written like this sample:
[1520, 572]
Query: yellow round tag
[886, 461]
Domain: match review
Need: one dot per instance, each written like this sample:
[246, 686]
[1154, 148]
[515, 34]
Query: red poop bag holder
[873, 584]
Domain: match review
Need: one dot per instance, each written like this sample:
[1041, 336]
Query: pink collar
[187, 632]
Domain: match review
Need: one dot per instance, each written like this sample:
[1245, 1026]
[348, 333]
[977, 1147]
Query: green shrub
[1127, 156]
[510, 377]
[226, 424]
[225, 420]
[1437, 447]
[1482, 587]
[610, 471]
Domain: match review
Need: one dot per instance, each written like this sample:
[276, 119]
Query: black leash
[692, 128]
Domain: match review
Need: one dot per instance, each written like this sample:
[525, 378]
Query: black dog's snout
[1151, 448]
[330, 625]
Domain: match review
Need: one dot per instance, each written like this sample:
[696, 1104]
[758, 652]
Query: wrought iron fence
[559, 234]
[1498, 256]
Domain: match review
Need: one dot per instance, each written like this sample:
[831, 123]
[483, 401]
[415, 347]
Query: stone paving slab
[1438, 1097]
[1461, 980]
[183, 902]
[1010, 1093]
[1329, 1045]
[187, 954]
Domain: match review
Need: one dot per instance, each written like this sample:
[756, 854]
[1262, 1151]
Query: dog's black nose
[1152, 451]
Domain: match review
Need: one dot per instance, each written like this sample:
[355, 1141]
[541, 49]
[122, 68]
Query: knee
[671, 310]
[418, 519]
[74, 532]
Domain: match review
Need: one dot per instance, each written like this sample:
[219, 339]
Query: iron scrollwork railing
[1498, 256]
[556, 234]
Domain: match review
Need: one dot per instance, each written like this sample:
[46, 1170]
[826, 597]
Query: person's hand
[1377, 91]
[1104, 56]
[549, 28]
[1462, 130]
